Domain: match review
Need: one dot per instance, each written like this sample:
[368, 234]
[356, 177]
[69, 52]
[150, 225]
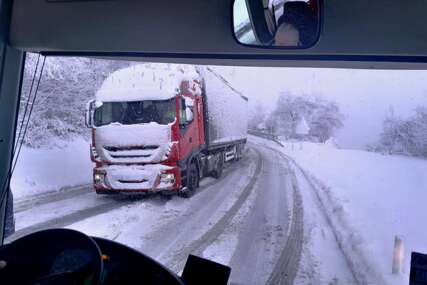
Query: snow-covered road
[252, 219]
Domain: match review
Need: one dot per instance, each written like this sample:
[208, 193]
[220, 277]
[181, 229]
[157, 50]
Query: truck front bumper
[137, 178]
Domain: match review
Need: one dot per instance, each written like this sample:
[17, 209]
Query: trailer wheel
[217, 172]
[239, 152]
[192, 181]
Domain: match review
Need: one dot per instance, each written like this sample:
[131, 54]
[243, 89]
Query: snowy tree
[418, 126]
[257, 117]
[270, 124]
[407, 137]
[325, 119]
[65, 87]
[286, 116]
[320, 117]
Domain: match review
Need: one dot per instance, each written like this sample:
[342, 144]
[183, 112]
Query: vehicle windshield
[141, 112]
[287, 175]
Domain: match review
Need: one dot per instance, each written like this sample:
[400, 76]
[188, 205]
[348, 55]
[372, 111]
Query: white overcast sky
[364, 96]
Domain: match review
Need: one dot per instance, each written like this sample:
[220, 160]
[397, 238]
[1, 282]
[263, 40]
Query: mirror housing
[276, 23]
[90, 109]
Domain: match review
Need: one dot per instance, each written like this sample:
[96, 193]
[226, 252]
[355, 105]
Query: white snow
[372, 198]
[322, 261]
[148, 175]
[141, 217]
[158, 227]
[118, 135]
[332, 142]
[227, 109]
[56, 209]
[228, 139]
[32, 174]
[145, 82]
[302, 127]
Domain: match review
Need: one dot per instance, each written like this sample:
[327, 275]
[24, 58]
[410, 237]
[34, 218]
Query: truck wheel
[239, 152]
[217, 172]
[192, 181]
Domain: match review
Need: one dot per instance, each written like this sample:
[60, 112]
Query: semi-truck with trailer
[161, 128]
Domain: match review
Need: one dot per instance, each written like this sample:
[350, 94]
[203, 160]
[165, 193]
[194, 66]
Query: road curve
[259, 190]
[271, 235]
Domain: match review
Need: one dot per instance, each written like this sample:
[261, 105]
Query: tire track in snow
[266, 227]
[358, 264]
[204, 185]
[114, 202]
[174, 240]
[286, 268]
[70, 218]
[291, 162]
[76, 216]
[198, 246]
[26, 203]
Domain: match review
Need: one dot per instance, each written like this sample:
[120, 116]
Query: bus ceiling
[351, 34]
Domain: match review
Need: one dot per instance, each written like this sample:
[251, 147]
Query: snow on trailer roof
[145, 82]
[226, 83]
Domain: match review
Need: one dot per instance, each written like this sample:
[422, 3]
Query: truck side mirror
[89, 113]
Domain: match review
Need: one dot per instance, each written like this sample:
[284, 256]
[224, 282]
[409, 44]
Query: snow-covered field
[59, 165]
[371, 197]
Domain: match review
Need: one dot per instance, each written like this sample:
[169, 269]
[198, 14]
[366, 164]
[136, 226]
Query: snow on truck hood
[141, 143]
[145, 82]
[141, 177]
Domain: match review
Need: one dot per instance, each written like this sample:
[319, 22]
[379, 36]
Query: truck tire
[239, 152]
[217, 172]
[192, 181]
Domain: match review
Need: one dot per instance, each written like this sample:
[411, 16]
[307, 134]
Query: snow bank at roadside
[380, 196]
[62, 164]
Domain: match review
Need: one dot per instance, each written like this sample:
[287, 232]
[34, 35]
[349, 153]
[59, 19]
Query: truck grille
[131, 152]
[145, 147]
[132, 181]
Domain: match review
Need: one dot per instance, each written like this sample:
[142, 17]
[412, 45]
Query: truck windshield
[139, 112]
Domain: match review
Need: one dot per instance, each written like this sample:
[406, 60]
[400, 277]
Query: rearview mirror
[276, 23]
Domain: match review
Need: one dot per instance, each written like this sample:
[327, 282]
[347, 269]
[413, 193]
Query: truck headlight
[167, 178]
[99, 178]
